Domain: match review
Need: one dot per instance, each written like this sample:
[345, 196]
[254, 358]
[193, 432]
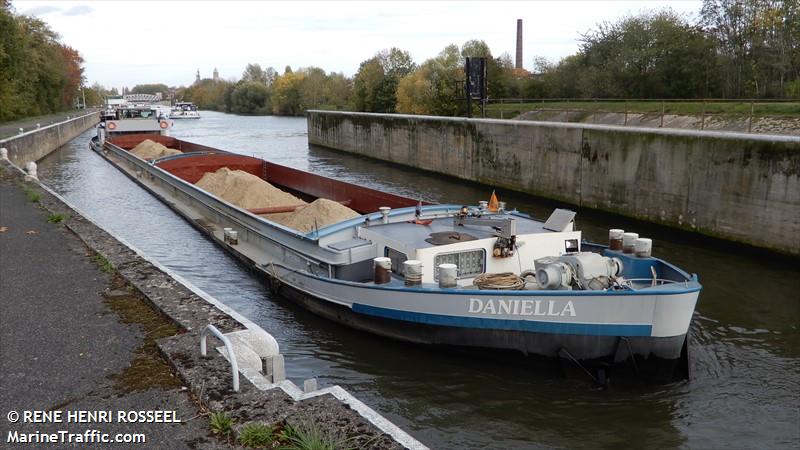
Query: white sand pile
[245, 190]
[321, 212]
[148, 149]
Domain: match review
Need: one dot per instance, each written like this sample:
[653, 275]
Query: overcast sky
[129, 43]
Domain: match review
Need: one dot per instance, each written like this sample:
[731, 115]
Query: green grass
[56, 218]
[256, 435]
[104, 264]
[763, 109]
[311, 437]
[221, 424]
[32, 194]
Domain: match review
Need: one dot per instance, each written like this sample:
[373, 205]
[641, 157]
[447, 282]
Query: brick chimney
[518, 64]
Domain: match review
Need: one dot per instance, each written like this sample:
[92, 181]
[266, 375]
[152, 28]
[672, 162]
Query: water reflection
[744, 344]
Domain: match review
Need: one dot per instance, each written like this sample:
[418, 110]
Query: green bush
[221, 424]
[256, 435]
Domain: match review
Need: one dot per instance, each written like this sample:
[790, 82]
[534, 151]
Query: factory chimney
[519, 44]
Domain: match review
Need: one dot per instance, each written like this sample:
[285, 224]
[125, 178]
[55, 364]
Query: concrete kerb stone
[209, 379]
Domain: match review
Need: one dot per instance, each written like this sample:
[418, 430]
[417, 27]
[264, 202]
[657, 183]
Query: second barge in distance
[448, 275]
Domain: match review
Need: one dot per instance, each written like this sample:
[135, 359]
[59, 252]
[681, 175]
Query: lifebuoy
[163, 124]
[112, 125]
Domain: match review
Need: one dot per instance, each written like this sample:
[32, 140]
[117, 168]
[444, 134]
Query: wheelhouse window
[397, 258]
[469, 262]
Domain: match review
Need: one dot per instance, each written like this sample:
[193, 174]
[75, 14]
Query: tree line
[737, 49]
[38, 74]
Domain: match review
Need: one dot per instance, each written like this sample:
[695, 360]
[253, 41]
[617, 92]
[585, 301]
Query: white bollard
[278, 369]
[38, 125]
[384, 213]
[30, 170]
[310, 385]
[412, 269]
[448, 275]
[21, 131]
[3, 154]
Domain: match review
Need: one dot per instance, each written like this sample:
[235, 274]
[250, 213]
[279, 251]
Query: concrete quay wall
[34, 145]
[734, 186]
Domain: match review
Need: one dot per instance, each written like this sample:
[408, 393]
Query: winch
[582, 270]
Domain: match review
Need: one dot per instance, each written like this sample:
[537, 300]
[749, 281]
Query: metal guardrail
[228, 346]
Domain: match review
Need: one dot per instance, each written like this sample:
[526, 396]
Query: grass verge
[742, 109]
[104, 264]
[32, 194]
[56, 218]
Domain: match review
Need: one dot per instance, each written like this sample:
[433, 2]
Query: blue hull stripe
[502, 324]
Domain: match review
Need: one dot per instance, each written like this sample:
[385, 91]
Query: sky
[128, 43]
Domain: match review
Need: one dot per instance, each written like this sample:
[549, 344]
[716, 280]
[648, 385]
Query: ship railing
[642, 283]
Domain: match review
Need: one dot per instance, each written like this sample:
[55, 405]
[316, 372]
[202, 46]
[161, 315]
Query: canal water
[744, 348]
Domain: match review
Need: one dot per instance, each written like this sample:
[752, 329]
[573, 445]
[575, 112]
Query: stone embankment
[734, 186]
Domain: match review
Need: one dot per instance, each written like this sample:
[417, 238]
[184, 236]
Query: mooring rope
[502, 281]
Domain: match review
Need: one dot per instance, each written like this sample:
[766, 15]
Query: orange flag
[493, 203]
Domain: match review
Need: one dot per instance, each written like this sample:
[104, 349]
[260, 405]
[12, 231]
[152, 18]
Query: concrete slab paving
[62, 345]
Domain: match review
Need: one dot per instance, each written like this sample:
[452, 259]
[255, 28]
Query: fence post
[594, 115]
[750, 122]
[703, 116]
[566, 116]
[661, 125]
[626, 112]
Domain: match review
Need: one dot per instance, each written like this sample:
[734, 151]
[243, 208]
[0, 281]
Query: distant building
[216, 74]
[197, 77]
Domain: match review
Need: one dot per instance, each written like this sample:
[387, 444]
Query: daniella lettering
[511, 307]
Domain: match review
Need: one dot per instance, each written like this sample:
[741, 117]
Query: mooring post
[310, 385]
[278, 369]
[750, 122]
[30, 169]
[661, 125]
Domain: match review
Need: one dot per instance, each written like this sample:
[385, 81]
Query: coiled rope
[501, 281]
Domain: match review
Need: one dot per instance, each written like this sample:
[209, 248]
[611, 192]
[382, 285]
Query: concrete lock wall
[735, 186]
[36, 144]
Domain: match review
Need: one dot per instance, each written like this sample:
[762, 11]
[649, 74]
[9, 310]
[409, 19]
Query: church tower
[216, 74]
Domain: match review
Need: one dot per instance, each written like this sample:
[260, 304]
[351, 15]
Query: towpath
[10, 129]
[72, 338]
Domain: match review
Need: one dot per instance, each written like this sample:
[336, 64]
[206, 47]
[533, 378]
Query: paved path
[11, 129]
[60, 342]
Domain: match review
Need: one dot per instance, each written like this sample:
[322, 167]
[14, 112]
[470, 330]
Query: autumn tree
[286, 93]
[375, 83]
[436, 87]
[250, 97]
[38, 74]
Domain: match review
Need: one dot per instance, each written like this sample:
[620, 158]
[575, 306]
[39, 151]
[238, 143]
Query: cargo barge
[473, 277]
